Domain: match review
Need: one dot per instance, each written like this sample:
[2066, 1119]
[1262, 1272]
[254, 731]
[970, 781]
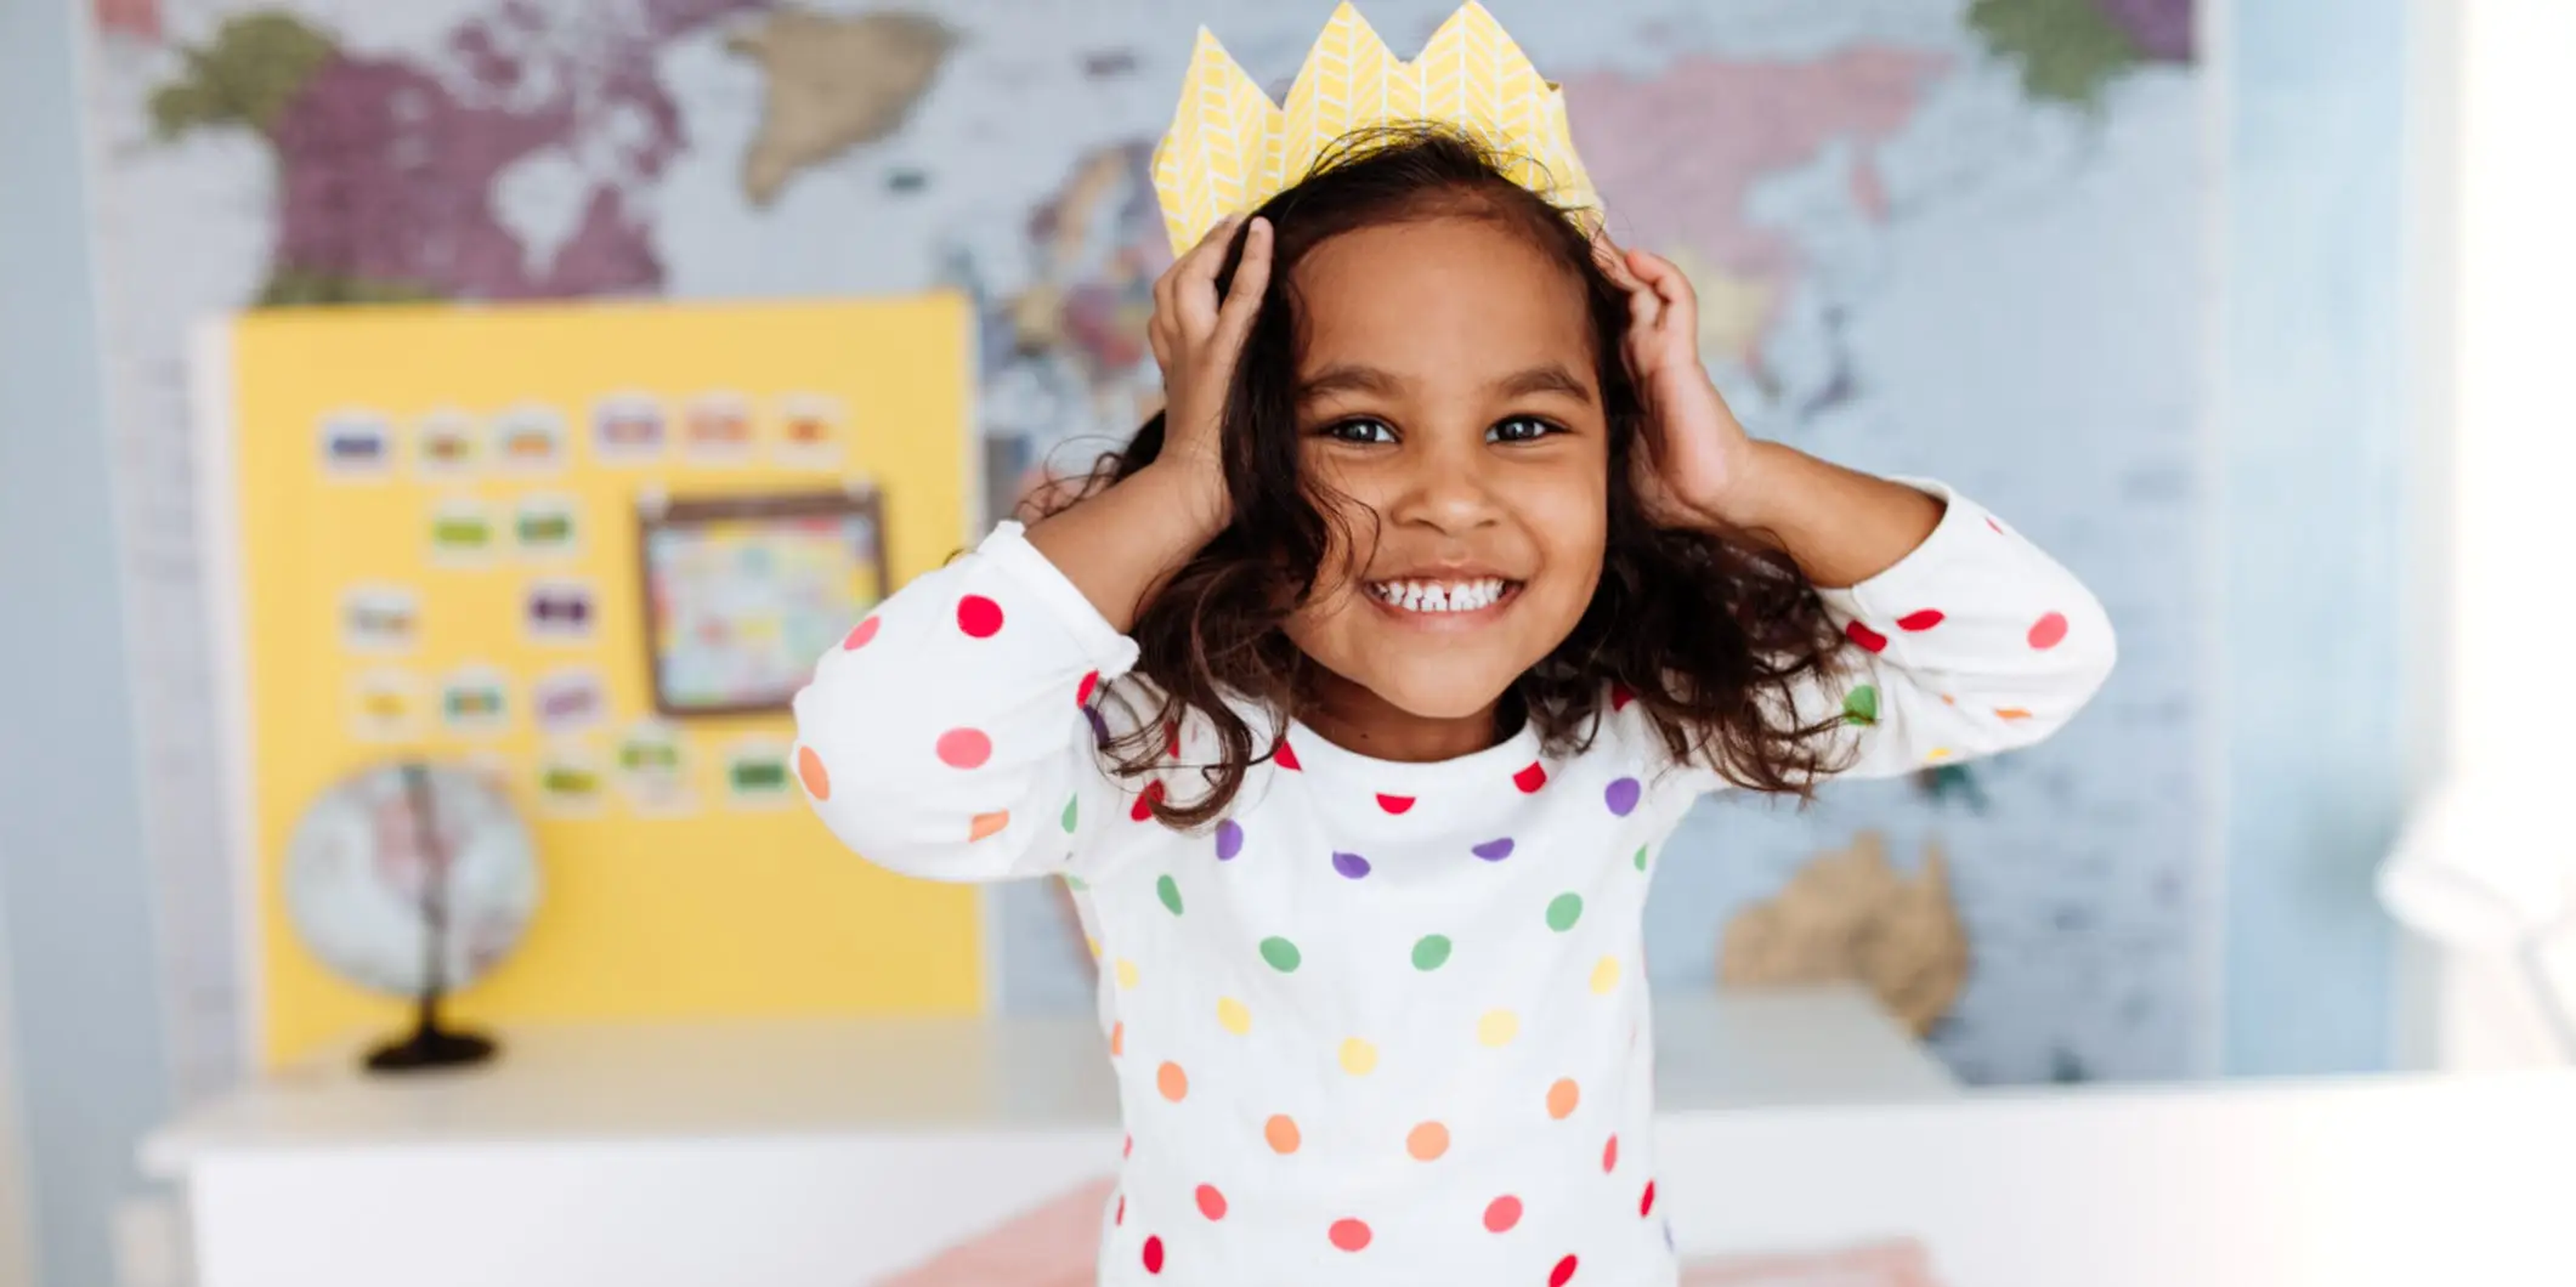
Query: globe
[384, 854]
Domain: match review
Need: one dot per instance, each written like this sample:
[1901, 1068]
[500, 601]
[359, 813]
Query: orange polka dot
[810, 770]
[1281, 1133]
[1174, 1083]
[1117, 1040]
[1350, 1235]
[988, 824]
[1562, 1097]
[2011, 712]
[1427, 1142]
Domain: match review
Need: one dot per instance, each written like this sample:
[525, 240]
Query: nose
[1446, 487]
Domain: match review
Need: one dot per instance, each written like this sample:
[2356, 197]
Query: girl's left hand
[1695, 456]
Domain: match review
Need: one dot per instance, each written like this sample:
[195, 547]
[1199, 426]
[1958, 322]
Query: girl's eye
[1520, 429]
[1370, 432]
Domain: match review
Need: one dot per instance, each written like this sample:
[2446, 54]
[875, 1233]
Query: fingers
[1194, 286]
[1251, 281]
[1613, 260]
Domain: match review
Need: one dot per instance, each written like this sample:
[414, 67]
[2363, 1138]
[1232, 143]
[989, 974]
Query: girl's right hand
[1197, 338]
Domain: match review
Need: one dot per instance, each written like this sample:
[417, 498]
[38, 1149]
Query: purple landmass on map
[2162, 28]
[386, 172]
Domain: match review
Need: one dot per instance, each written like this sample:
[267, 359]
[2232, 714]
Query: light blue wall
[74, 888]
[2312, 438]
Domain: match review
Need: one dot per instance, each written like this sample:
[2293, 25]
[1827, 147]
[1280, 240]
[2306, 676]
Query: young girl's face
[1448, 402]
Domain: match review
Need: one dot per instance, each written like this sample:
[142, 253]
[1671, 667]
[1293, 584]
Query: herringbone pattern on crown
[1230, 149]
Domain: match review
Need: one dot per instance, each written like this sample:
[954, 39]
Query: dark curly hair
[1708, 633]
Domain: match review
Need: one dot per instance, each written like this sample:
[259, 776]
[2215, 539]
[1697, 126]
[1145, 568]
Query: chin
[1440, 693]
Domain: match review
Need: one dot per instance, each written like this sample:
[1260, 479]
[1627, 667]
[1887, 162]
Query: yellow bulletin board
[432, 526]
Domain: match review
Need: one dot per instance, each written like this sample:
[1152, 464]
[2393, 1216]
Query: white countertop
[890, 1076]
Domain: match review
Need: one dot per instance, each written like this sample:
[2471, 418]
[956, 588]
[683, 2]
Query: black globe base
[429, 1048]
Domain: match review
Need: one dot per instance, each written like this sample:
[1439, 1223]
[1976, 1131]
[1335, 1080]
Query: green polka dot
[1641, 857]
[1860, 706]
[1170, 893]
[1564, 912]
[1432, 952]
[1282, 955]
[1076, 884]
[1072, 812]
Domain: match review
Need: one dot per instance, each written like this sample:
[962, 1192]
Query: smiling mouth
[1443, 598]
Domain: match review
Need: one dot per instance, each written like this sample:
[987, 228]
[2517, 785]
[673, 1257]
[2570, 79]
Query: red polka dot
[1172, 743]
[2049, 631]
[1350, 1235]
[1145, 801]
[1394, 803]
[979, 617]
[1287, 758]
[1530, 779]
[1562, 1274]
[1211, 1202]
[810, 770]
[1620, 696]
[1090, 685]
[1154, 1256]
[965, 748]
[859, 635]
[1866, 637]
[1121, 1216]
[1502, 1213]
[1924, 620]
[1646, 1204]
[1610, 1155]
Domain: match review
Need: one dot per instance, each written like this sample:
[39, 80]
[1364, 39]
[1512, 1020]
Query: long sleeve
[1975, 643]
[945, 736]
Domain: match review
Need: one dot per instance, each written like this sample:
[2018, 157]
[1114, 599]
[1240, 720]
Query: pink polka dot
[1610, 1155]
[1502, 1213]
[859, 635]
[2049, 631]
[964, 748]
[1211, 1202]
[1990, 522]
[1154, 1256]
[1563, 1273]
[1121, 1216]
[1924, 620]
[1350, 1235]
[1129, 1148]
[1865, 637]
[979, 617]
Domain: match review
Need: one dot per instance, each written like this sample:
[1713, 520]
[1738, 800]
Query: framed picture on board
[743, 593]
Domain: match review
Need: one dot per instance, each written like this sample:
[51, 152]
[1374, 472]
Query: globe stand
[432, 1045]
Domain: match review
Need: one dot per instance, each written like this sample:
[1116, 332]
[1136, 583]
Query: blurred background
[809, 295]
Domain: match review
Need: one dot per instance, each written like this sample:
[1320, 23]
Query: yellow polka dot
[1498, 1027]
[1359, 1058]
[1126, 973]
[1937, 754]
[1093, 944]
[1605, 976]
[1233, 1016]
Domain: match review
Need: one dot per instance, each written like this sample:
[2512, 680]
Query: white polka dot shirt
[1384, 1023]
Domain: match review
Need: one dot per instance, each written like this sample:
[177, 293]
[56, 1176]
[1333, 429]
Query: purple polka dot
[1351, 865]
[1494, 850]
[1099, 726]
[1229, 840]
[1622, 796]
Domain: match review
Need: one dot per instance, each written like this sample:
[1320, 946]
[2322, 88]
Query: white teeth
[1440, 596]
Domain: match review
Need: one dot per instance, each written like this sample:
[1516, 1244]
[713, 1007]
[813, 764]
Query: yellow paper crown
[1230, 148]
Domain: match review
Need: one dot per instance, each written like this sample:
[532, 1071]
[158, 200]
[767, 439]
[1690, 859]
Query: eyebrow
[1350, 377]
